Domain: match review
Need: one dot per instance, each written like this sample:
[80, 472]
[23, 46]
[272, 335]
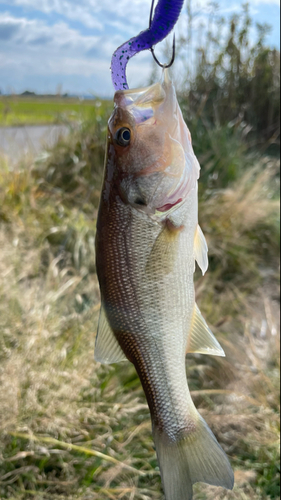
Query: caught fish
[147, 242]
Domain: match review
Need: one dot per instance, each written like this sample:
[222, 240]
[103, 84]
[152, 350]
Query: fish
[148, 241]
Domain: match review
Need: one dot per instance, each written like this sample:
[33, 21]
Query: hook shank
[152, 48]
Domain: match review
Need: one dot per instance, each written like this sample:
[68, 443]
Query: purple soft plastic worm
[165, 17]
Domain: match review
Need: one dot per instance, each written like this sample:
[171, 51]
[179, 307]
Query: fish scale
[142, 310]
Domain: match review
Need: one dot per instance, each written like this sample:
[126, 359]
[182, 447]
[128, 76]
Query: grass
[18, 110]
[73, 429]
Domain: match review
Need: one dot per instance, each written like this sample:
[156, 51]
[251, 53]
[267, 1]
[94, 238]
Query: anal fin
[201, 340]
[107, 349]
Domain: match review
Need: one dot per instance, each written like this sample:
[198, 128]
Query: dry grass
[73, 429]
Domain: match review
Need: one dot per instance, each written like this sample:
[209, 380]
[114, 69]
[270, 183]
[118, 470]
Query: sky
[66, 45]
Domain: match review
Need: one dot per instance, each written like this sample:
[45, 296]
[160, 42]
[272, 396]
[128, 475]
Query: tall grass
[231, 86]
[71, 428]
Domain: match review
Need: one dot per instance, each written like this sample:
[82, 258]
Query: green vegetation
[17, 110]
[72, 429]
[232, 82]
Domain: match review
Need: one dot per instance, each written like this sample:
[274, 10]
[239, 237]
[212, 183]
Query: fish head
[155, 166]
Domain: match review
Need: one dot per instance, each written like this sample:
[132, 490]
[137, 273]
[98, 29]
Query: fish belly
[149, 311]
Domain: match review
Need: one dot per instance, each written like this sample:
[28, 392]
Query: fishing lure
[165, 17]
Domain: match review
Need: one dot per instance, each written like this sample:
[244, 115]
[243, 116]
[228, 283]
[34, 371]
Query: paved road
[17, 142]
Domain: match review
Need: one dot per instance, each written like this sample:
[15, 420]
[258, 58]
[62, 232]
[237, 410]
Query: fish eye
[123, 136]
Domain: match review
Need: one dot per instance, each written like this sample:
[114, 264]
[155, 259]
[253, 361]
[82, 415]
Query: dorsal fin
[201, 340]
[107, 349]
[201, 250]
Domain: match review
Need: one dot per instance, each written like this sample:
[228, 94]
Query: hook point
[172, 59]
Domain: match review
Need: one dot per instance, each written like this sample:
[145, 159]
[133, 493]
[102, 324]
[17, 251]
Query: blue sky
[45, 44]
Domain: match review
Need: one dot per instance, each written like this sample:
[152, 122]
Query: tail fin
[198, 457]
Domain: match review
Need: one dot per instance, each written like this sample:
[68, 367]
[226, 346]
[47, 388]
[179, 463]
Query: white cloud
[31, 47]
[22, 31]
[266, 2]
[36, 35]
[67, 8]
[93, 13]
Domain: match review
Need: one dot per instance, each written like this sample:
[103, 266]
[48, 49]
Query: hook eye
[123, 136]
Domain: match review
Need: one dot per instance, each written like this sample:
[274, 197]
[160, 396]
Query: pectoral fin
[107, 349]
[201, 340]
[164, 252]
[201, 250]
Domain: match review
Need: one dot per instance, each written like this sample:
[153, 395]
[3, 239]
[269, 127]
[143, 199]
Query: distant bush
[233, 80]
[230, 93]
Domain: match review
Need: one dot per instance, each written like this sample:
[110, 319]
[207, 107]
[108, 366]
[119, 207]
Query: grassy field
[16, 110]
[73, 429]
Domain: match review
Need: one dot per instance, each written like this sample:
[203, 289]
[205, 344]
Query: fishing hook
[172, 59]
[152, 49]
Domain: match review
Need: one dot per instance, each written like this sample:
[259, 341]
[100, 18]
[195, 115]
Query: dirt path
[16, 142]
